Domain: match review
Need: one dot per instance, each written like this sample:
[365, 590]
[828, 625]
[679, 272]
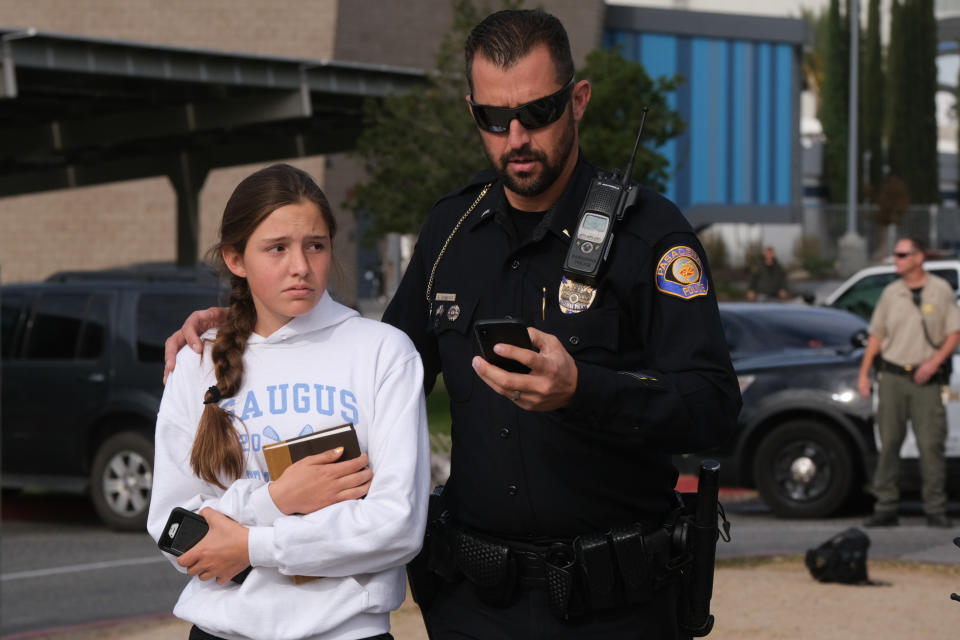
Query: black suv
[804, 437]
[81, 380]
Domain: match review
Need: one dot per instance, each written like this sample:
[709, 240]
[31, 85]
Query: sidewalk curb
[71, 630]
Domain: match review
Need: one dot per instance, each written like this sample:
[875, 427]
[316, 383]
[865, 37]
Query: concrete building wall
[86, 228]
[119, 224]
[408, 33]
[292, 28]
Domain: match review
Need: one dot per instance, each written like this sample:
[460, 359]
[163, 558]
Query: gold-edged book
[281, 455]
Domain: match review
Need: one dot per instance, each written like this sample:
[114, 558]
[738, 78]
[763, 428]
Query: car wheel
[803, 469]
[121, 480]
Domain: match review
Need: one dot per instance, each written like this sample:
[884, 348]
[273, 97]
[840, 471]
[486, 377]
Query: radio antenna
[636, 145]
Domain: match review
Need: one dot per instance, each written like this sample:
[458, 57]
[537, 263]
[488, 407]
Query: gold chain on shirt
[443, 250]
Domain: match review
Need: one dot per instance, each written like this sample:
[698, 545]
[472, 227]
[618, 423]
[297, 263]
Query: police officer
[915, 329]
[574, 455]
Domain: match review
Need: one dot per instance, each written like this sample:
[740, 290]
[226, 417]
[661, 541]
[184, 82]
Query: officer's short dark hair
[506, 36]
[918, 244]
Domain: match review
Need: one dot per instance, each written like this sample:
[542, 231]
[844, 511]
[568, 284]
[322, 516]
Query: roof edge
[682, 22]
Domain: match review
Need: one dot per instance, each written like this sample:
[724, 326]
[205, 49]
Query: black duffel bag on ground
[842, 558]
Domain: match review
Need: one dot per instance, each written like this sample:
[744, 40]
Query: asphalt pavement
[754, 533]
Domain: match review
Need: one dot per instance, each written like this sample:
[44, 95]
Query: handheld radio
[604, 205]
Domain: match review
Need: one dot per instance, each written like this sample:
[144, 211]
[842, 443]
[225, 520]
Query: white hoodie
[321, 369]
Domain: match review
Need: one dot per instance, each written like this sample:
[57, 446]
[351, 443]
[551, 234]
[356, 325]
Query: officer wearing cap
[914, 330]
[559, 475]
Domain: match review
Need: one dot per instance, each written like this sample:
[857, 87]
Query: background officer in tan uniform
[915, 329]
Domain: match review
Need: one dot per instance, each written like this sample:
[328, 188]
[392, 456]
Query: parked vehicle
[82, 366]
[861, 291]
[805, 438]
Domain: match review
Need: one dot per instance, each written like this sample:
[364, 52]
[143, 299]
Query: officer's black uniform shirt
[654, 374]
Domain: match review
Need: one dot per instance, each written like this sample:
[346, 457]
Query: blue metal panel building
[739, 159]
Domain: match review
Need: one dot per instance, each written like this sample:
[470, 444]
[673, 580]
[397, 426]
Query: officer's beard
[533, 183]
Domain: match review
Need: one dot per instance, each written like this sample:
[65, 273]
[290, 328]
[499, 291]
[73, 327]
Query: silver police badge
[575, 297]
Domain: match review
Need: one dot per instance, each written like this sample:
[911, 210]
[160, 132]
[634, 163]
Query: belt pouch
[628, 548]
[596, 562]
[562, 591]
[489, 566]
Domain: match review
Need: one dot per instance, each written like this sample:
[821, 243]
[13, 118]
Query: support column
[187, 177]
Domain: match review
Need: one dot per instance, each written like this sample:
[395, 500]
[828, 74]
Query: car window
[814, 329]
[950, 275]
[160, 314]
[862, 297]
[788, 327]
[67, 326]
[93, 333]
[12, 307]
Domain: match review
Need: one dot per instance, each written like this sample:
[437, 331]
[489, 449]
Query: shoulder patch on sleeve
[680, 273]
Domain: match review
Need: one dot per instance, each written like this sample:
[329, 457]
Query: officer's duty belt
[589, 573]
[909, 370]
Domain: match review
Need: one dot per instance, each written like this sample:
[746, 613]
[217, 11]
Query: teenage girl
[289, 361]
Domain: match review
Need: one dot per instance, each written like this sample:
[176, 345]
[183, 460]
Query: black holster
[425, 570]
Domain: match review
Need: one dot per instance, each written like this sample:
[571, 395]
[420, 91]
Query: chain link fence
[939, 226]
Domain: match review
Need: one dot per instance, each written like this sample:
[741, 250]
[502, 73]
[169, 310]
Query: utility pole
[852, 249]
[853, 134]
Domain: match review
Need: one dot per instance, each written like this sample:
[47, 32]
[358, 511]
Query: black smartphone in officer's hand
[185, 529]
[507, 331]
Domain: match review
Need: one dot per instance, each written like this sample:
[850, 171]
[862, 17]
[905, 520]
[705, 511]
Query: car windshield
[863, 295]
[753, 329]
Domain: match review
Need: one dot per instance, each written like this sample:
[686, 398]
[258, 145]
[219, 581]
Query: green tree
[924, 181]
[892, 198]
[913, 83]
[609, 127]
[895, 71]
[421, 145]
[834, 105]
[872, 100]
[813, 57]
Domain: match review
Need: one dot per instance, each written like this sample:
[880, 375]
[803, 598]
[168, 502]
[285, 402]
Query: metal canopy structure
[78, 111]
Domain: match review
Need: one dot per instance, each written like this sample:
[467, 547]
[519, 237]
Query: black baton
[698, 621]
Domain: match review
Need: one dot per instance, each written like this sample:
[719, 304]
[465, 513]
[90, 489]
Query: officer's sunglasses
[903, 254]
[532, 115]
